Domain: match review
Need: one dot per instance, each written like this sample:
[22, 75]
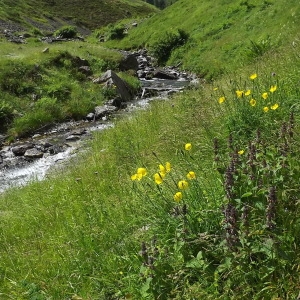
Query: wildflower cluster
[254, 178]
[160, 176]
[253, 96]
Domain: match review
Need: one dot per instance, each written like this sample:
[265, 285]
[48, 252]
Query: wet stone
[90, 116]
[72, 137]
[21, 149]
[79, 131]
[33, 153]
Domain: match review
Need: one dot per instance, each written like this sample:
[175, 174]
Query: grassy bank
[42, 88]
[195, 198]
[105, 229]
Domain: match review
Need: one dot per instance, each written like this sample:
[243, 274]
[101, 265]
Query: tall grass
[92, 232]
[194, 198]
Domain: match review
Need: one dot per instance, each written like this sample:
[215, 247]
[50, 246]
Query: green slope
[221, 32]
[90, 14]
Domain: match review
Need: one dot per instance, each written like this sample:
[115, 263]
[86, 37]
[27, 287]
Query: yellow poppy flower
[188, 146]
[241, 152]
[247, 93]
[162, 175]
[168, 167]
[162, 169]
[273, 88]
[178, 196]
[253, 76]
[266, 109]
[252, 102]
[191, 175]
[183, 184]
[221, 99]
[265, 95]
[158, 178]
[136, 177]
[142, 172]
[133, 177]
[275, 106]
[239, 94]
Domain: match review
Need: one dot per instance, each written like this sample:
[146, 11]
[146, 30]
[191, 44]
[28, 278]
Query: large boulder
[111, 79]
[129, 62]
[163, 74]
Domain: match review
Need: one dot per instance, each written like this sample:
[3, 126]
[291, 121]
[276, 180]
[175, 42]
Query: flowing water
[26, 171]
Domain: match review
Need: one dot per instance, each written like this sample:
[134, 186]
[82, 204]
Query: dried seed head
[229, 182]
[230, 141]
[291, 124]
[271, 208]
[231, 225]
[258, 136]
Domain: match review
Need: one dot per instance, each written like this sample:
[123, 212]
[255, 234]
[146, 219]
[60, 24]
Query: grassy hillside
[88, 14]
[61, 90]
[223, 35]
[196, 197]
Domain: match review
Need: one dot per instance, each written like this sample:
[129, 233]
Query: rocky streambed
[32, 158]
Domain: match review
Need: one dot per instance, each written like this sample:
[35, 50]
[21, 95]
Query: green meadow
[196, 197]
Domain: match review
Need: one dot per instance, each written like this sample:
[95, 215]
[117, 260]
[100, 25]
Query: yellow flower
[178, 196]
[191, 175]
[188, 146]
[162, 169]
[142, 172]
[273, 88]
[183, 184]
[133, 177]
[136, 177]
[168, 167]
[239, 94]
[158, 178]
[253, 76]
[241, 152]
[252, 102]
[266, 109]
[221, 99]
[264, 95]
[247, 93]
[275, 106]
[162, 175]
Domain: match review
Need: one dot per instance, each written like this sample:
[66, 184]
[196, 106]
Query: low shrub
[66, 32]
[6, 112]
[163, 48]
[116, 32]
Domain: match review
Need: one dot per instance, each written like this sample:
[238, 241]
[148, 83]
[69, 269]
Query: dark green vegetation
[87, 14]
[95, 232]
[161, 3]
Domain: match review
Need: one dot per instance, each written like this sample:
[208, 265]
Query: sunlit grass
[194, 198]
